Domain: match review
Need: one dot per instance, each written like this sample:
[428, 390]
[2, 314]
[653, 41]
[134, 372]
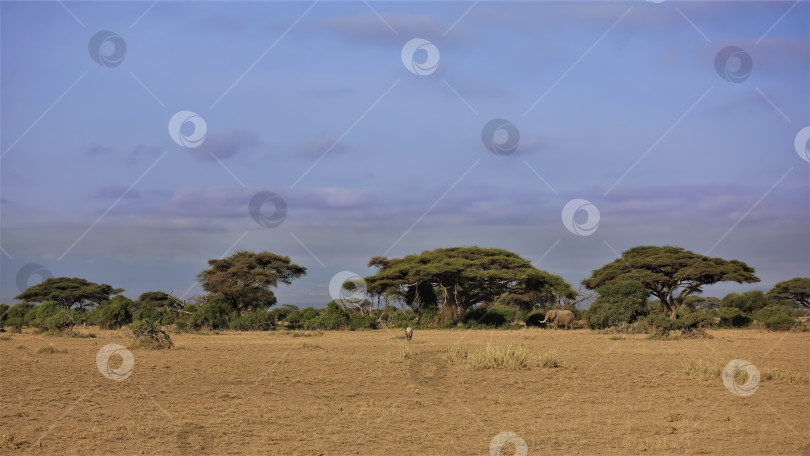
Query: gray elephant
[566, 317]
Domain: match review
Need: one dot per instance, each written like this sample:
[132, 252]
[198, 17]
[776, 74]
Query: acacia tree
[69, 292]
[670, 273]
[158, 299]
[243, 280]
[795, 292]
[464, 277]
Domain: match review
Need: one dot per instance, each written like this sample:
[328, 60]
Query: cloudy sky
[641, 109]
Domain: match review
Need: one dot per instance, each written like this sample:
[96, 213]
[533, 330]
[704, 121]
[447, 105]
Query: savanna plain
[373, 393]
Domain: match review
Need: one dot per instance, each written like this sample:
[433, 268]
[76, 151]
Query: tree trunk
[450, 308]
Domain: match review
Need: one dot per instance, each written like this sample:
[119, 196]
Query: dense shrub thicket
[617, 304]
[623, 307]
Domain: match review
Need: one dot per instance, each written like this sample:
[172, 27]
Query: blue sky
[617, 103]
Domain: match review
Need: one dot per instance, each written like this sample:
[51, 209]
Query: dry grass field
[369, 392]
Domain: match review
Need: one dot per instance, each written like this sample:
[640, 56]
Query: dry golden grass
[371, 393]
[493, 355]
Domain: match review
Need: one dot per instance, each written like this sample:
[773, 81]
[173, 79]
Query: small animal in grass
[408, 333]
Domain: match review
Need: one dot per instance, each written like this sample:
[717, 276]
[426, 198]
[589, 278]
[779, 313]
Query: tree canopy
[794, 292]
[749, 301]
[69, 292]
[157, 299]
[244, 279]
[670, 273]
[463, 277]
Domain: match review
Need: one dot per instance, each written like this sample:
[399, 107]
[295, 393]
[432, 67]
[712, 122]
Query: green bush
[62, 320]
[732, 317]
[695, 319]
[280, 313]
[16, 315]
[251, 321]
[36, 318]
[493, 317]
[358, 320]
[113, 314]
[298, 319]
[618, 304]
[535, 317]
[776, 318]
[428, 318]
[334, 317]
[149, 335]
[662, 324]
[152, 315]
[750, 301]
[211, 315]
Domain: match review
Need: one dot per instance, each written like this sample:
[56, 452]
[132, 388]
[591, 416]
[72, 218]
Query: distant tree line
[649, 287]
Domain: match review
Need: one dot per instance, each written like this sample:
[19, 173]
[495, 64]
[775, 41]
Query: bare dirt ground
[363, 393]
